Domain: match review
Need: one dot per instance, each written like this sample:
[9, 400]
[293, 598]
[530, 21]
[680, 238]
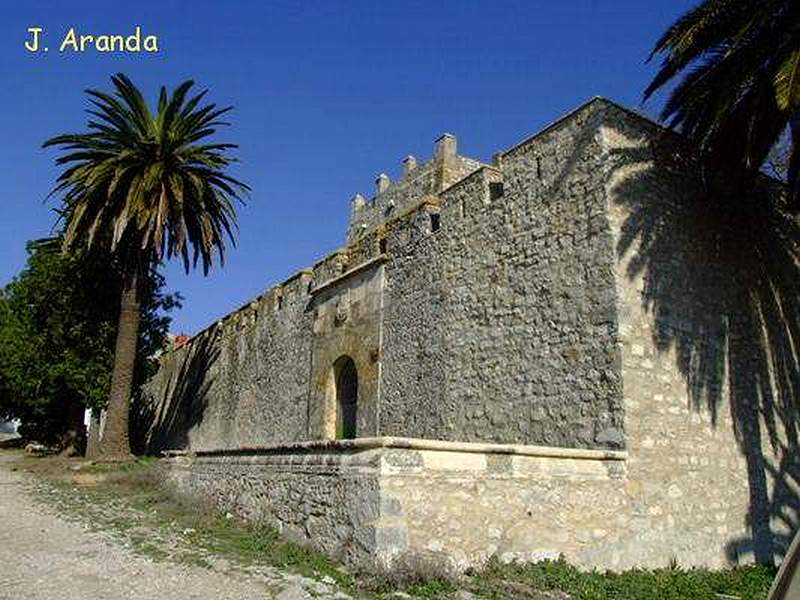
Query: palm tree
[145, 187]
[739, 92]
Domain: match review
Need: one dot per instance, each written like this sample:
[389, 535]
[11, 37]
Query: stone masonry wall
[347, 322]
[329, 499]
[493, 318]
[377, 500]
[247, 380]
[708, 318]
[503, 320]
[588, 291]
[242, 382]
[395, 198]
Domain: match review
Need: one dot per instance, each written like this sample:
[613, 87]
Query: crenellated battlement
[417, 181]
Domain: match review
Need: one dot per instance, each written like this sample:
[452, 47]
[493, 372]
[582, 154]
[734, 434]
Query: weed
[672, 583]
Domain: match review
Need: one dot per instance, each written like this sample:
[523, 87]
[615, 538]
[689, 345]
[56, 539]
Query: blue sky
[327, 95]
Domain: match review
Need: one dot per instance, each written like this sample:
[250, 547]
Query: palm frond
[739, 67]
[787, 82]
[142, 182]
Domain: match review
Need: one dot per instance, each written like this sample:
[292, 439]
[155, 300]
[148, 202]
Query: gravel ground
[44, 556]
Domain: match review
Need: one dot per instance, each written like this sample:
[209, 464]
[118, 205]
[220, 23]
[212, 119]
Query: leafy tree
[147, 184]
[739, 67]
[58, 321]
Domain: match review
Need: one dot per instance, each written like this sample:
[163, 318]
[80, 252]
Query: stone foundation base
[371, 501]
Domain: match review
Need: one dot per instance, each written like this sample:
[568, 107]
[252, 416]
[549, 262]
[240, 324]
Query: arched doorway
[346, 381]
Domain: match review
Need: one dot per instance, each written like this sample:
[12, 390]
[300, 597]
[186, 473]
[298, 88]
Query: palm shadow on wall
[163, 423]
[737, 259]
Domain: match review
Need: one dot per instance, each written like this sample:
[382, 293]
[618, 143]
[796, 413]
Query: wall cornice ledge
[388, 442]
[380, 259]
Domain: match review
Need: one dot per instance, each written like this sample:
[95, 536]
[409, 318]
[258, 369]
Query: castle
[576, 349]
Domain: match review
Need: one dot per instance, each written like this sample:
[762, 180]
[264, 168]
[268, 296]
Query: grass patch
[437, 588]
[496, 581]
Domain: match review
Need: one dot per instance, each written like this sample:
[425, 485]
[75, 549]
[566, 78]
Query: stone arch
[344, 388]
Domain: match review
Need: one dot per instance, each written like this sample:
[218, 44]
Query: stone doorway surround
[346, 324]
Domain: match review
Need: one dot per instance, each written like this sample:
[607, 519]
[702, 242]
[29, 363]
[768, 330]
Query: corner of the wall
[603, 109]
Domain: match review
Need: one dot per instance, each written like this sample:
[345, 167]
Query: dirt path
[44, 556]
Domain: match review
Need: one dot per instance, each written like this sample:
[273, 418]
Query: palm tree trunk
[115, 445]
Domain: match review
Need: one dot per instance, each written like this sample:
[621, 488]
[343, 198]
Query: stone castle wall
[484, 312]
[584, 292]
[242, 382]
[708, 321]
[501, 325]
[445, 168]
[373, 501]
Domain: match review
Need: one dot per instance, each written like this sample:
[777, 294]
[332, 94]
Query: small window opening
[434, 222]
[495, 190]
[382, 245]
[538, 167]
[280, 302]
